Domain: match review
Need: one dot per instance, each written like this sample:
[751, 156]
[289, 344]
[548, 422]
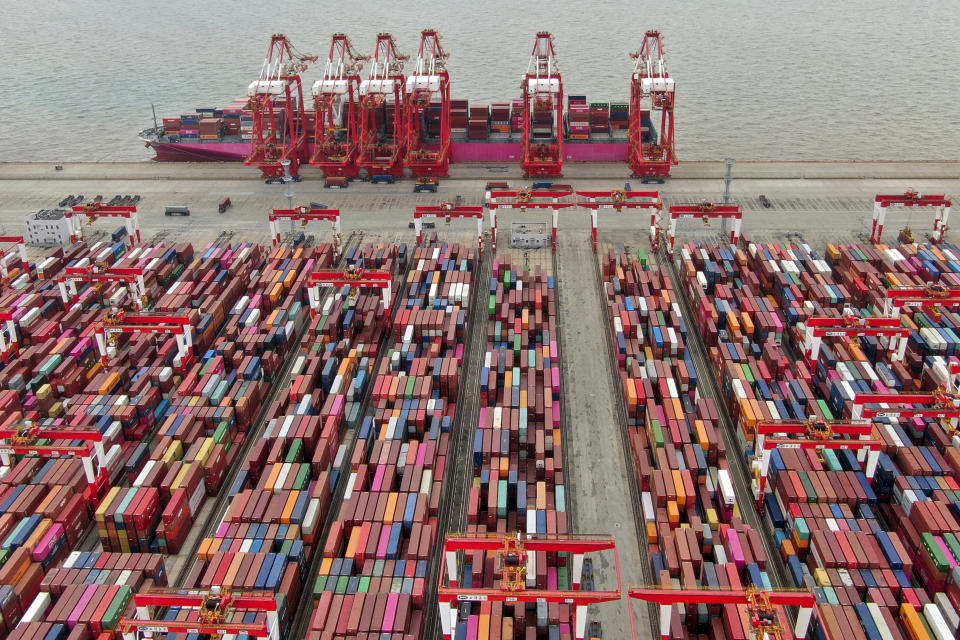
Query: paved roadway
[812, 201]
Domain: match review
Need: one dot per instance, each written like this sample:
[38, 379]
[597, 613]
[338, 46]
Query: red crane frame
[705, 210]
[98, 479]
[447, 210]
[941, 405]
[375, 278]
[618, 200]
[385, 78]
[524, 199]
[169, 323]
[667, 597]
[261, 601]
[911, 199]
[21, 249]
[820, 327]
[96, 273]
[429, 79]
[336, 96]
[543, 92]
[94, 210]
[278, 130]
[931, 295]
[651, 80]
[305, 214]
[449, 591]
[867, 444]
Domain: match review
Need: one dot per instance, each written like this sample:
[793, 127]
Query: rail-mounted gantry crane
[336, 103]
[428, 146]
[276, 99]
[816, 435]
[651, 90]
[381, 111]
[93, 210]
[911, 198]
[542, 92]
[516, 558]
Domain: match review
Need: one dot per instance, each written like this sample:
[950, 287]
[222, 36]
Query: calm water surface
[775, 80]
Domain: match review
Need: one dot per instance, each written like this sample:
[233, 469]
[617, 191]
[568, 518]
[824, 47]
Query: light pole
[727, 179]
[288, 188]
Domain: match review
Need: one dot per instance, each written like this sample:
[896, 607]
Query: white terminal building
[48, 227]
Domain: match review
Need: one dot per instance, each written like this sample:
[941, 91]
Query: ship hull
[462, 152]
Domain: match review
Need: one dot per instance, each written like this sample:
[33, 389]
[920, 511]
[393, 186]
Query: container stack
[84, 597]
[516, 116]
[696, 536]
[459, 116]
[190, 126]
[518, 464]
[479, 126]
[500, 117]
[211, 128]
[619, 116]
[879, 553]
[541, 125]
[376, 559]
[599, 117]
[578, 117]
[171, 126]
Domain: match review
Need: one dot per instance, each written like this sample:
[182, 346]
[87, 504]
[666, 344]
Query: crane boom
[336, 95]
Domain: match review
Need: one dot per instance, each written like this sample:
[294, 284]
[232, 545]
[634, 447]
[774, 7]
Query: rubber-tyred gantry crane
[524, 199]
[820, 327]
[911, 199]
[93, 210]
[448, 211]
[816, 435]
[336, 102]
[516, 562]
[428, 152]
[117, 321]
[543, 111]
[276, 99]
[618, 200]
[651, 89]
[929, 296]
[132, 276]
[22, 438]
[304, 215]
[706, 210]
[7, 351]
[381, 111]
[356, 277]
[760, 604]
[214, 608]
[21, 248]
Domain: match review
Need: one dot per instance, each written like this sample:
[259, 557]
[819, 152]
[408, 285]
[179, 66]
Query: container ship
[365, 117]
